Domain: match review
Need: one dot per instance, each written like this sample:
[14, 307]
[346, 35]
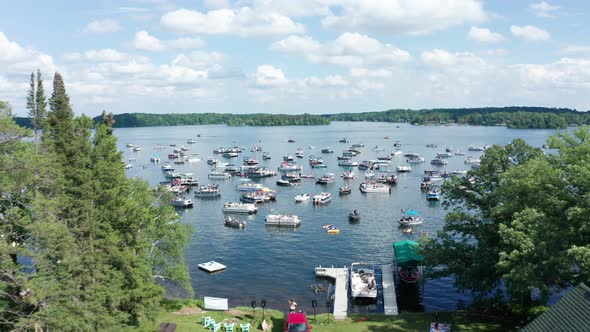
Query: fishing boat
[344, 190]
[322, 198]
[407, 261]
[354, 215]
[210, 190]
[348, 175]
[241, 208]
[434, 194]
[403, 169]
[233, 222]
[362, 281]
[215, 174]
[410, 218]
[302, 198]
[374, 187]
[282, 220]
[326, 179]
[331, 229]
[181, 202]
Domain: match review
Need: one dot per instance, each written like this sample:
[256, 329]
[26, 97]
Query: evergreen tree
[32, 105]
[40, 107]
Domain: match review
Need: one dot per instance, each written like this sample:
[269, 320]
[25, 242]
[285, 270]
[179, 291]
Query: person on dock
[292, 305]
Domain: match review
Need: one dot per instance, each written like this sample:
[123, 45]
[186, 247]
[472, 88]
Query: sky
[297, 56]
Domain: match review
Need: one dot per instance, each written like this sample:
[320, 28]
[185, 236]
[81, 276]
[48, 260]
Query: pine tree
[32, 105]
[40, 107]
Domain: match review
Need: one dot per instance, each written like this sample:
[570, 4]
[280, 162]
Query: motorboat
[283, 183]
[137, 148]
[322, 198]
[248, 186]
[408, 262]
[396, 153]
[181, 202]
[344, 190]
[282, 220]
[354, 215]
[289, 167]
[362, 281]
[326, 179]
[291, 176]
[128, 166]
[403, 169]
[259, 172]
[369, 174]
[256, 197]
[194, 158]
[410, 218]
[348, 163]
[299, 153]
[129, 145]
[348, 175]
[266, 156]
[434, 194]
[167, 167]
[431, 145]
[397, 144]
[331, 229]
[233, 222]
[438, 162]
[210, 190]
[307, 176]
[132, 159]
[343, 140]
[290, 140]
[374, 187]
[327, 150]
[191, 141]
[471, 160]
[444, 155]
[384, 158]
[287, 157]
[250, 161]
[378, 148]
[173, 155]
[358, 145]
[459, 153]
[475, 148]
[319, 166]
[212, 161]
[241, 208]
[302, 198]
[388, 178]
[415, 160]
[155, 158]
[215, 174]
[230, 154]
[459, 172]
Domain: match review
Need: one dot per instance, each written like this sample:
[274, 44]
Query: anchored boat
[362, 281]
[407, 261]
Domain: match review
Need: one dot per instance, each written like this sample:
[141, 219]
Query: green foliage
[512, 117]
[520, 219]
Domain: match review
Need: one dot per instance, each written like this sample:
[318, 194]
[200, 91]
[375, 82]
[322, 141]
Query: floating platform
[340, 275]
[211, 266]
[389, 298]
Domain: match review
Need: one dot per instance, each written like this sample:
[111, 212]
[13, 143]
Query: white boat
[181, 202]
[471, 160]
[155, 159]
[282, 220]
[362, 281]
[302, 198]
[444, 155]
[410, 218]
[129, 145]
[348, 175]
[369, 174]
[434, 194]
[299, 153]
[322, 198]
[167, 167]
[210, 190]
[374, 187]
[128, 166]
[403, 168]
[233, 222]
[249, 186]
[194, 158]
[459, 153]
[415, 160]
[137, 148]
[326, 178]
[348, 163]
[243, 208]
[266, 156]
[397, 153]
[438, 162]
[215, 174]
[460, 172]
[191, 141]
[475, 148]
[378, 148]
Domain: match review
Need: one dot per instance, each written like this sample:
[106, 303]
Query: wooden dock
[340, 275]
[389, 299]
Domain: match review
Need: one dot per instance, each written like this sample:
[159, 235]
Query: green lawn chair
[245, 327]
[229, 327]
[207, 321]
[214, 327]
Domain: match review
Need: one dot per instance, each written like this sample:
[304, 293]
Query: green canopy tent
[405, 253]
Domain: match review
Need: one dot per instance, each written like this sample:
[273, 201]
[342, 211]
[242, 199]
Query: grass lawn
[188, 318]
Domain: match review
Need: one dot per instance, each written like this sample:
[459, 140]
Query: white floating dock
[389, 299]
[211, 266]
[340, 275]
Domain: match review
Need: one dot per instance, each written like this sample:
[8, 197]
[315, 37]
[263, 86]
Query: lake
[276, 265]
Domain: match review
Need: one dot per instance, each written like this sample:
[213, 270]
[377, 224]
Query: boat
[444, 155]
[358, 145]
[210, 190]
[194, 158]
[475, 148]
[408, 263]
[248, 186]
[287, 157]
[388, 178]
[459, 172]
[290, 140]
[242, 208]
[365, 165]
[191, 141]
[155, 158]
[410, 218]
[387, 137]
[132, 159]
[374, 187]
[233, 222]
[348, 163]
[302, 198]
[167, 167]
[282, 220]
[343, 140]
[181, 202]
[415, 160]
[319, 166]
[307, 176]
[431, 145]
[348, 175]
[215, 174]
[129, 145]
[266, 156]
[331, 229]
[212, 161]
[289, 167]
[397, 144]
[230, 155]
[362, 281]
[403, 168]
[128, 166]
[396, 153]
[322, 198]
[369, 174]
[259, 172]
[459, 153]
[344, 190]
[378, 148]
[283, 183]
[327, 150]
[326, 178]
[299, 153]
[354, 215]
[434, 194]
[137, 148]
[159, 147]
[471, 160]
[438, 162]
[250, 161]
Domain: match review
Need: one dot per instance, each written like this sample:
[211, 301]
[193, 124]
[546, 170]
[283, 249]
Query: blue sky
[295, 56]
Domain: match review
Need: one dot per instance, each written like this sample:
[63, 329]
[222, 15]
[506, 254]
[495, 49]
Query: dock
[340, 275]
[389, 298]
[211, 266]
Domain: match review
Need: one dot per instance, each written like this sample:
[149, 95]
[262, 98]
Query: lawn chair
[207, 321]
[245, 327]
[229, 327]
[214, 327]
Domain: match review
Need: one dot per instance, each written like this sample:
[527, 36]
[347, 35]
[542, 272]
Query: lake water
[276, 265]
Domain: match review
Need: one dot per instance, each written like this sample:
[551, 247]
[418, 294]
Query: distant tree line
[511, 117]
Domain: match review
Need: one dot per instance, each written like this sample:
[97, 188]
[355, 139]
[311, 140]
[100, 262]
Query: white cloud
[529, 32]
[296, 44]
[216, 4]
[543, 9]
[349, 50]
[404, 16]
[104, 55]
[299, 8]
[575, 49]
[186, 43]
[146, 42]
[103, 26]
[484, 35]
[376, 73]
[243, 22]
[16, 59]
[567, 73]
[269, 76]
